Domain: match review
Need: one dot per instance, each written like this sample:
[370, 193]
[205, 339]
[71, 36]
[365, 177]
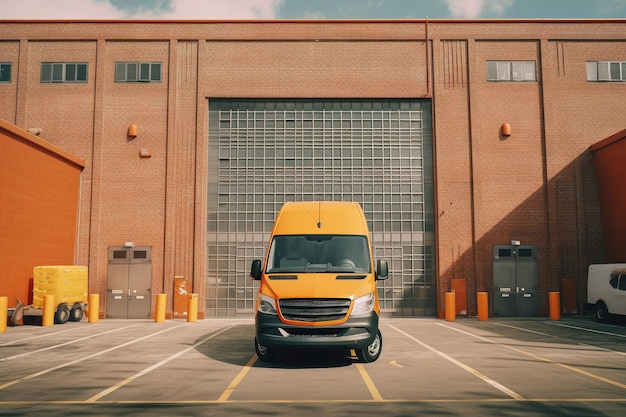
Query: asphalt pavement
[498, 367]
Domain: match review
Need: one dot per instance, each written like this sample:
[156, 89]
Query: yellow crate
[68, 283]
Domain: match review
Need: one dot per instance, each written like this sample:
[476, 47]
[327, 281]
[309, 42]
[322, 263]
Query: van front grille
[314, 309]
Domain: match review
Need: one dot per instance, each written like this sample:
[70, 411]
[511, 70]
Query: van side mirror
[255, 270]
[382, 271]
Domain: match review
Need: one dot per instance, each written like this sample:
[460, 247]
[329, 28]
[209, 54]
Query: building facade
[456, 137]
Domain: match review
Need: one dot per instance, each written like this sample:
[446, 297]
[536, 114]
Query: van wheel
[62, 314]
[602, 313]
[264, 353]
[76, 313]
[371, 352]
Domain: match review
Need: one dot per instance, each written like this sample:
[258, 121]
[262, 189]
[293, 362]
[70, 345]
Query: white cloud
[205, 9]
[65, 9]
[99, 9]
[477, 8]
[610, 6]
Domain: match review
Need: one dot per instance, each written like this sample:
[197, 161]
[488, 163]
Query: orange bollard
[450, 306]
[159, 316]
[555, 305]
[192, 308]
[94, 308]
[482, 300]
[49, 308]
[4, 313]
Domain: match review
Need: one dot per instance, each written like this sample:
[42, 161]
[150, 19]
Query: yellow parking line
[237, 380]
[153, 367]
[368, 381]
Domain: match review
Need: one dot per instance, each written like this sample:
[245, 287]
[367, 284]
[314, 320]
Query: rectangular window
[63, 72]
[131, 72]
[511, 71]
[5, 72]
[606, 70]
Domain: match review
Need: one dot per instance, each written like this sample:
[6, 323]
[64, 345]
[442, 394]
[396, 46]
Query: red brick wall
[537, 186]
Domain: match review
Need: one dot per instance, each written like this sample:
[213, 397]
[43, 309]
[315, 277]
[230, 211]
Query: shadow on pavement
[236, 346]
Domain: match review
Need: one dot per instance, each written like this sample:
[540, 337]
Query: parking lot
[572, 367]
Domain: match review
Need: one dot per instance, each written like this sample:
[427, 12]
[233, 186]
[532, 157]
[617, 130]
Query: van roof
[333, 217]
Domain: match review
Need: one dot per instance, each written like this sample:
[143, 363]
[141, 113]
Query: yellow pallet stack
[68, 283]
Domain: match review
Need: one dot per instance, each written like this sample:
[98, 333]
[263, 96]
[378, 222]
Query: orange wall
[39, 189]
[609, 156]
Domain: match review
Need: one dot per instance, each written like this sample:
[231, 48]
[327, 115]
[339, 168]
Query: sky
[308, 9]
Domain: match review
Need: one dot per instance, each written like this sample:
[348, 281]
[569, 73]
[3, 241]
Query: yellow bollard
[94, 308]
[555, 306]
[482, 300]
[49, 308]
[192, 308]
[450, 306]
[159, 316]
[4, 313]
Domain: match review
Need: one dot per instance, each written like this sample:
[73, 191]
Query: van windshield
[319, 253]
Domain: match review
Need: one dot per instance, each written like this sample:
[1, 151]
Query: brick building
[457, 138]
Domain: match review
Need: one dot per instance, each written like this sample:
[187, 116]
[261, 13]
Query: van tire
[602, 313]
[371, 352]
[263, 352]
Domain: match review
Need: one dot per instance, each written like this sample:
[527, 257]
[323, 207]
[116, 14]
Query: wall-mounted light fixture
[506, 129]
[132, 131]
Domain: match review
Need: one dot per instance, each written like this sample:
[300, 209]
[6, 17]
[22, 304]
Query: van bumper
[354, 333]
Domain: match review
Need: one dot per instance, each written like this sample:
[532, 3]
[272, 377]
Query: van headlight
[363, 305]
[267, 305]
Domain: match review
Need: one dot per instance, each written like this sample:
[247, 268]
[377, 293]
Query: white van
[606, 290]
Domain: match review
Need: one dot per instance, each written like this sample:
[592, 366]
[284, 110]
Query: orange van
[318, 282]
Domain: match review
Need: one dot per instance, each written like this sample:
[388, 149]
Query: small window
[606, 70]
[63, 72]
[5, 72]
[511, 71]
[131, 72]
[622, 282]
[505, 253]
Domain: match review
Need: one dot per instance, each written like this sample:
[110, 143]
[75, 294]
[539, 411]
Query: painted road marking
[589, 330]
[233, 385]
[153, 367]
[394, 363]
[390, 401]
[532, 355]
[64, 344]
[369, 383]
[366, 378]
[469, 369]
[565, 339]
[39, 336]
[64, 365]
